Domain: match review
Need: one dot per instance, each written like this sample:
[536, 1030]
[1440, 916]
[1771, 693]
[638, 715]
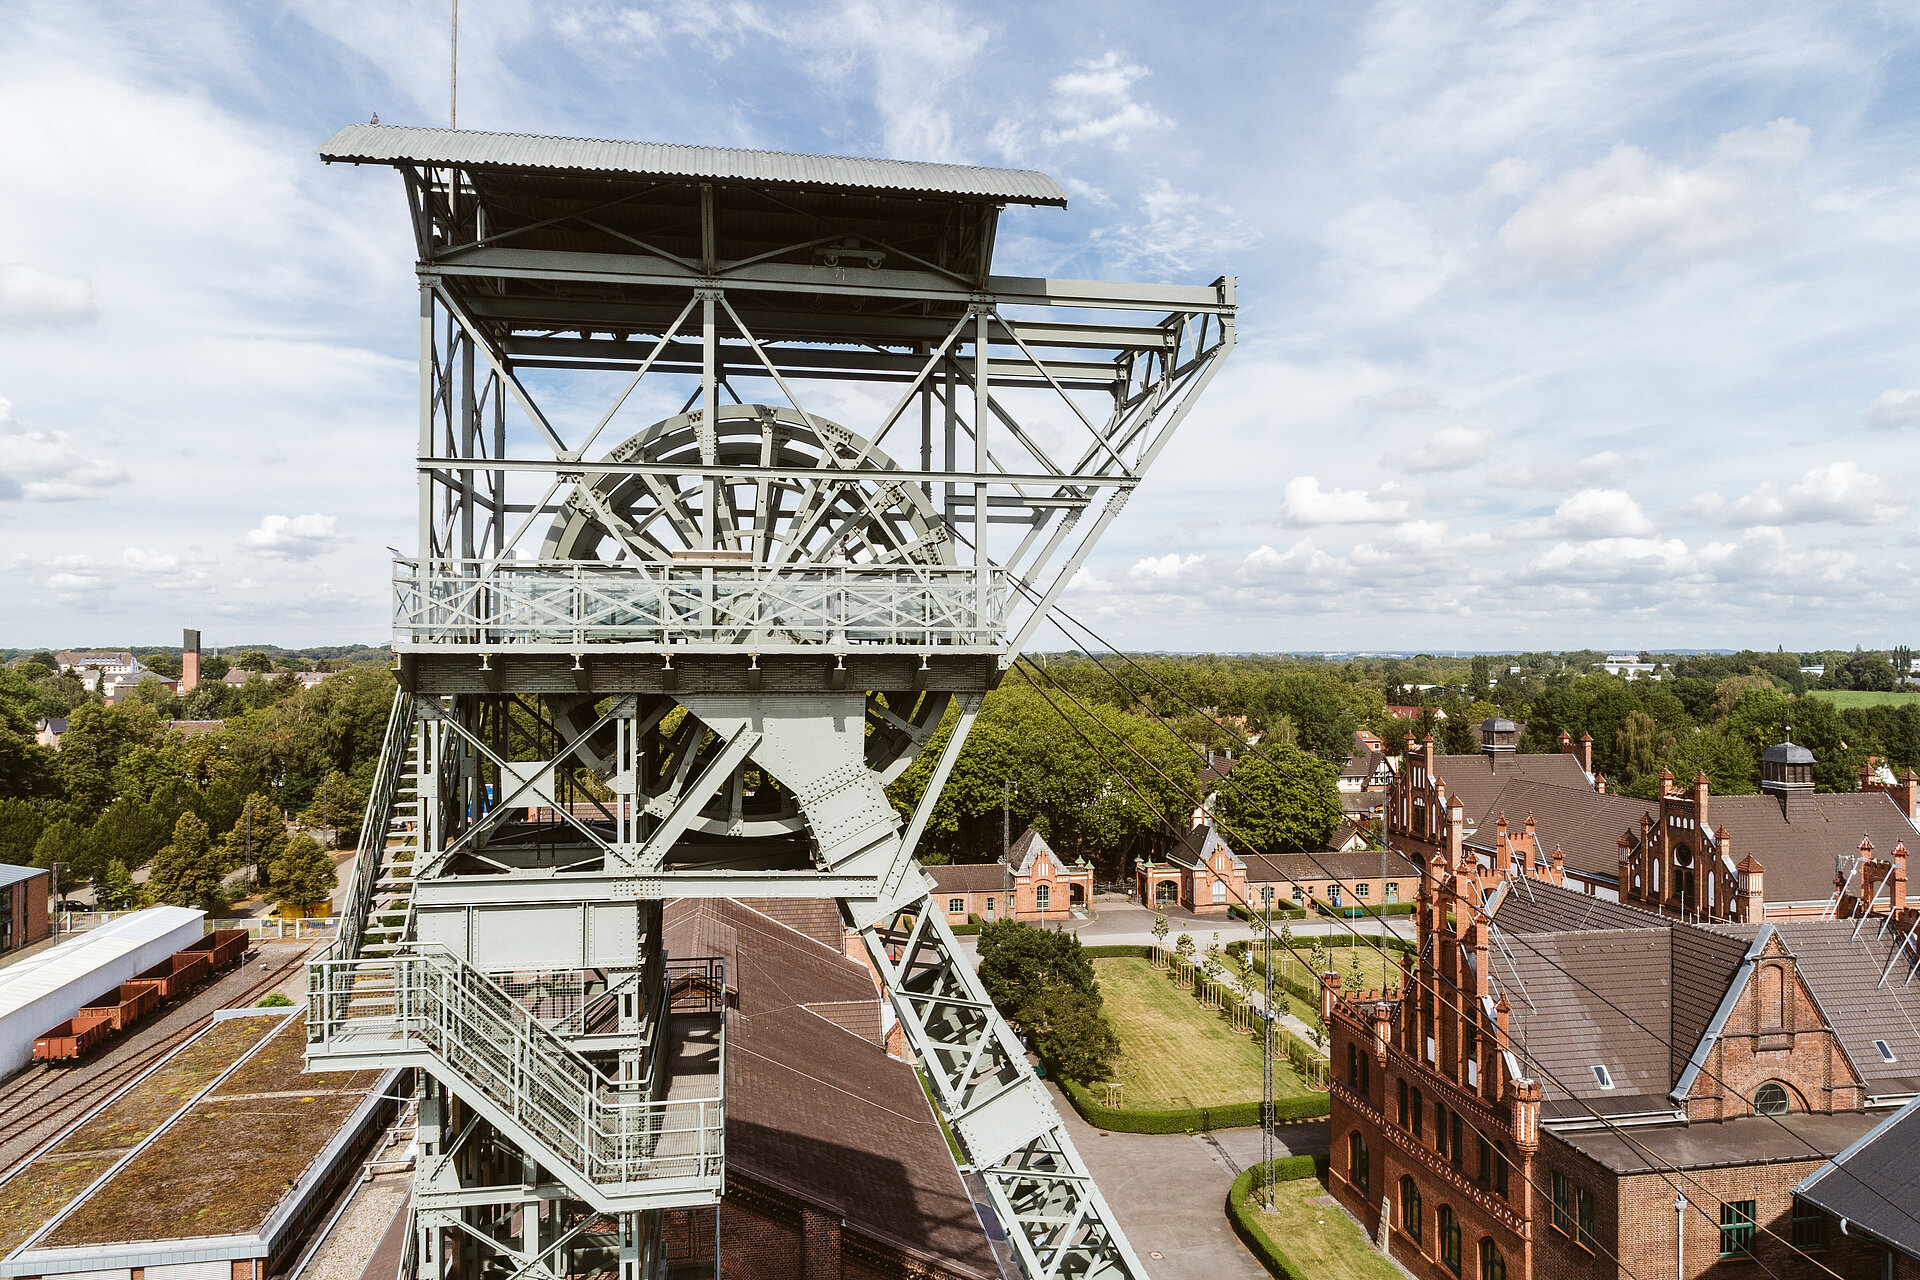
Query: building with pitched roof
[1206, 876]
[1554, 1065]
[1031, 883]
[1872, 1189]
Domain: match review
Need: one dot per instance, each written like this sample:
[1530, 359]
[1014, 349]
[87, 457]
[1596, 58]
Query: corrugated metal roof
[85, 953]
[11, 875]
[391, 144]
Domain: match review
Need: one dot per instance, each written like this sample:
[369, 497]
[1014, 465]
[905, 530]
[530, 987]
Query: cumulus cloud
[1839, 492]
[1628, 205]
[1448, 449]
[1305, 503]
[295, 537]
[31, 298]
[1894, 409]
[49, 466]
[1094, 102]
[1592, 514]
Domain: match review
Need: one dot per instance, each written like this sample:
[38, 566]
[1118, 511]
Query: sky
[1561, 325]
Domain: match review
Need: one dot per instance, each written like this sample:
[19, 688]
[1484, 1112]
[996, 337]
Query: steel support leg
[1057, 1220]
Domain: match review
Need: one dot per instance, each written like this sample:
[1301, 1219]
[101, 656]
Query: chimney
[1382, 1032]
[189, 661]
[1559, 866]
[1897, 894]
[1908, 797]
[1427, 749]
[1750, 898]
[1329, 994]
[1700, 789]
[1586, 752]
[1456, 828]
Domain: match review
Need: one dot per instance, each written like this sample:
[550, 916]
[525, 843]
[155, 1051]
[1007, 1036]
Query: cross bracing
[739, 486]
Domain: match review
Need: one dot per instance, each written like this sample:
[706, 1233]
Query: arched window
[1042, 896]
[1492, 1265]
[1449, 1239]
[1163, 892]
[1357, 1161]
[1772, 1099]
[1410, 1208]
[1219, 890]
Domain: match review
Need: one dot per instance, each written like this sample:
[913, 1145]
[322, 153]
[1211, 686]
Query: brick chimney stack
[1586, 752]
[1750, 899]
[189, 661]
[1700, 790]
[1908, 796]
[1897, 893]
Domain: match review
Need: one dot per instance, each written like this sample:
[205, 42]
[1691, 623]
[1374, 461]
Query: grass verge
[1320, 1241]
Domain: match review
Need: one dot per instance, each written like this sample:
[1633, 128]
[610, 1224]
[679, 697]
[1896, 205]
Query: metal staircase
[378, 915]
[617, 1148]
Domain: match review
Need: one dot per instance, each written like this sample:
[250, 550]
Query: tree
[1867, 671]
[1077, 1037]
[258, 836]
[117, 890]
[21, 823]
[65, 842]
[1280, 801]
[214, 667]
[1183, 947]
[338, 806]
[1482, 677]
[1019, 963]
[26, 767]
[189, 872]
[130, 832]
[303, 874]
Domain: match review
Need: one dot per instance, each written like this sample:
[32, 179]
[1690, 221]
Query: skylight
[1886, 1054]
[1601, 1074]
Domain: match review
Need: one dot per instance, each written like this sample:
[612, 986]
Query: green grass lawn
[1844, 698]
[1319, 1239]
[1175, 1054]
[1378, 968]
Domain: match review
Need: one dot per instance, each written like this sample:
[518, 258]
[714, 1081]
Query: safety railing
[437, 1004]
[388, 775]
[574, 602]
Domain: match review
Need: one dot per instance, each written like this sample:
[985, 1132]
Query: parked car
[73, 904]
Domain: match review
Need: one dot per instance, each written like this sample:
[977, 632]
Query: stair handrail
[372, 853]
[486, 1038]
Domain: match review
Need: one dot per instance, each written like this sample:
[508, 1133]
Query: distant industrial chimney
[189, 661]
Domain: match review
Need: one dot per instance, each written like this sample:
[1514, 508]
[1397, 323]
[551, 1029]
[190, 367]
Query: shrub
[1234, 1115]
[273, 1000]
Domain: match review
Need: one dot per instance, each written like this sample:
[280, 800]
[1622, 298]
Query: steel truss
[681, 653]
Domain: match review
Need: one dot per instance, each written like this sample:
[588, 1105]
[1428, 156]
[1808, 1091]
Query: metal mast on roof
[687, 661]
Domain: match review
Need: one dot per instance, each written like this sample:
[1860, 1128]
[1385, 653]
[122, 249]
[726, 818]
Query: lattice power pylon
[740, 475]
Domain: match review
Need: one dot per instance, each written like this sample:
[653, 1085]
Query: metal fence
[267, 928]
[578, 602]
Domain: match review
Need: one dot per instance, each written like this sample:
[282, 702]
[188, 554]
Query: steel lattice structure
[680, 650]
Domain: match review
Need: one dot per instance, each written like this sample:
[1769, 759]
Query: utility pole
[1266, 1056]
[1007, 792]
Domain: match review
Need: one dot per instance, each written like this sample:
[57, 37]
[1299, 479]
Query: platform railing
[388, 775]
[433, 1002]
[581, 602]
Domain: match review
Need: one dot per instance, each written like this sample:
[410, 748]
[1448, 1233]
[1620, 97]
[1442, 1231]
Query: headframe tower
[741, 475]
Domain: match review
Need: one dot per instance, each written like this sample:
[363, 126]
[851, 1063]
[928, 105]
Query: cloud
[1589, 514]
[1177, 231]
[1891, 409]
[1839, 492]
[1094, 103]
[1627, 205]
[1596, 469]
[1408, 399]
[1305, 503]
[295, 538]
[1448, 449]
[32, 298]
[48, 466]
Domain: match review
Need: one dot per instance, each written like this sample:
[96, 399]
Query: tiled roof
[1797, 842]
[1363, 864]
[1476, 779]
[1875, 1183]
[816, 1107]
[1743, 1140]
[1196, 846]
[1020, 856]
[969, 877]
[1534, 906]
[1584, 824]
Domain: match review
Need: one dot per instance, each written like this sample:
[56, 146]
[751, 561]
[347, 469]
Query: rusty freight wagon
[125, 1005]
[71, 1038]
[224, 948]
[178, 974]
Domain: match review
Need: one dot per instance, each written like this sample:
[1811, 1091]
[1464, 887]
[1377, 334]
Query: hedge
[1362, 911]
[1118, 951]
[1279, 913]
[1285, 1169]
[965, 930]
[1235, 1115]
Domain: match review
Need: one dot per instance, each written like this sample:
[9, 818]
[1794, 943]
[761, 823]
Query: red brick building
[24, 917]
[836, 1166]
[1204, 875]
[1033, 883]
[1564, 1086]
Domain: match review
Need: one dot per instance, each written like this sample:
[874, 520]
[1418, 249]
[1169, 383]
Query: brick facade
[24, 903]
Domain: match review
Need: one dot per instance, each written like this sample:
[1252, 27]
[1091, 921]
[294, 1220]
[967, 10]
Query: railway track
[47, 1098]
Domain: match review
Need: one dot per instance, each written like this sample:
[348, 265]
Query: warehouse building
[23, 907]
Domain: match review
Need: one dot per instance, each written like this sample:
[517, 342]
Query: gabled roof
[1359, 864]
[1476, 779]
[1031, 843]
[471, 149]
[1534, 906]
[1197, 847]
[1584, 824]
[1875, 1183]
[969, 877]
[1799, 841]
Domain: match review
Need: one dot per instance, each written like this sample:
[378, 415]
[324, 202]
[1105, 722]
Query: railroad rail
[47, 1106]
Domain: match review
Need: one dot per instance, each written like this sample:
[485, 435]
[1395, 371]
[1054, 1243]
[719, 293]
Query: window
[1440, 1127]
[1771, 1099]
[1333, 895]
[1299, 894]
[956, 905]
[1583, 1217]
[1736, 1229]
[1501, 1164]
[1366, 1069]
[1455, 1141]
[1361, 890]
[1357, 1161]
[1449, 1239]
[1485, 1179]
[1219, 890]
[1417, 1101]
[1042, 896]
[1563, 1204]
[1393, 891]
[1492, 1265]
[1809, 1226]
[1353, 1066]
[1403, 1104]
[1886, 1054]
[1410, 1208]
[1602, 1076]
